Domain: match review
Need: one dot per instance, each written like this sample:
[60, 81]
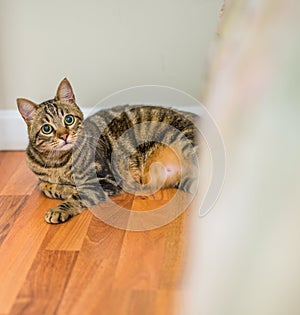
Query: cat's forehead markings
[50, 109]
[46, 119]
[51, 113]
[61, 111]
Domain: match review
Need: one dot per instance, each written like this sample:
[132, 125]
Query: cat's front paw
[56, 216]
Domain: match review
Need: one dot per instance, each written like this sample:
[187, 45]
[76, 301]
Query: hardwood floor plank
[151, 259]
[68, 236]
[45, 283]
[95, 296]
[83, 266]
[10, 207]
[124, 266]
[119, 302]
[175, 253]
[20, 247]
[140, 260]
[168, 302]
[159, 209]
[9, 162]
[93, 274]
[133, 302]
[142, 302]
[16, 178]
[110, 213]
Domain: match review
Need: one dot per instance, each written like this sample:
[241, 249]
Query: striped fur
[136, 149]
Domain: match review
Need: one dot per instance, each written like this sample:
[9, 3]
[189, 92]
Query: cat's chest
[61, 175]
[55, 174]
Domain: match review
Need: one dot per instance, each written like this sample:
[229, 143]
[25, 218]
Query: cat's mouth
[65, 145]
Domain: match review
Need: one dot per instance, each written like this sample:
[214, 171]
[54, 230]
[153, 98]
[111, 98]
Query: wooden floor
[83, 266]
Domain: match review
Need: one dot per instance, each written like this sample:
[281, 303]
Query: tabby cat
[136, 149]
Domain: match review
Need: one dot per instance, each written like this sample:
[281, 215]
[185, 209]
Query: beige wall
[102, 46]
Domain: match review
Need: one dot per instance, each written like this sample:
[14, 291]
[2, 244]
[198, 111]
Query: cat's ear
[65, 92]
[27, 109]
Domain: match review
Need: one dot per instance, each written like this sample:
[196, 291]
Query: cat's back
[127, 140]
[120, 118]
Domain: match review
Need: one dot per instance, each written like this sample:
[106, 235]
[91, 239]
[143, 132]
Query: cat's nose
[64, 137]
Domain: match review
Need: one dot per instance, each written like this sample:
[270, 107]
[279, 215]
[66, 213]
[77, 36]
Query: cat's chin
[65, 147]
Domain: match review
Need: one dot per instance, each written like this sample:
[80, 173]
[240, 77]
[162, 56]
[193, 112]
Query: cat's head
[53, 125]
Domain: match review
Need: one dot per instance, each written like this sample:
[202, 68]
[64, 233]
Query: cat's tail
[162, 169]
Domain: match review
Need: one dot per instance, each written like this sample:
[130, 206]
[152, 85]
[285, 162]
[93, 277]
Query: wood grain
[84, 266]
[10, 208]
[20, 246]
[68, 236]
[45, 284]
[140, 260]
[16, 178]
[94, 270]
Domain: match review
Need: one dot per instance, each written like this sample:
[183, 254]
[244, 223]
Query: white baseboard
[13, 130]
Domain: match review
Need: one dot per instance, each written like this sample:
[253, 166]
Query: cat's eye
[69, 120]
[47, 129]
